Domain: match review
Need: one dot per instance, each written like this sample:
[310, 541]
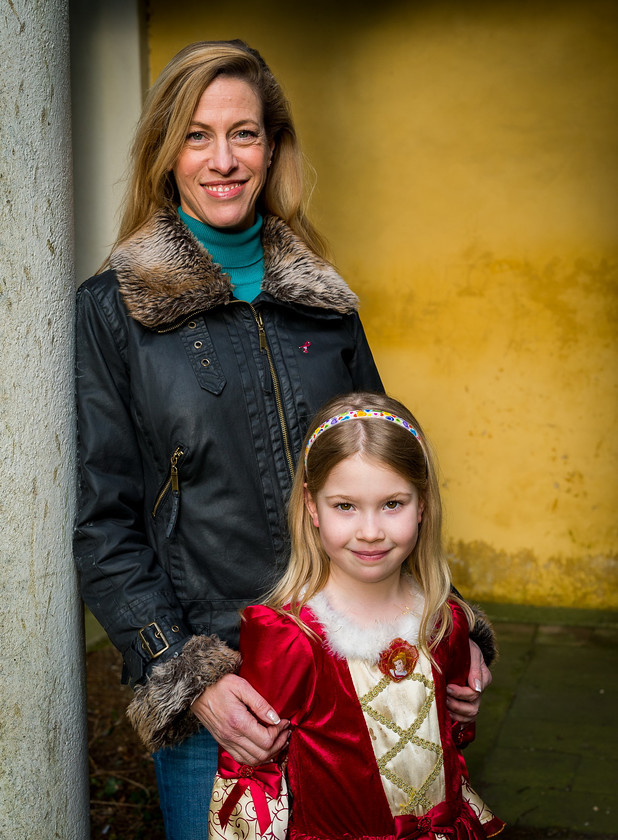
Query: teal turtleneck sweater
[239, 253]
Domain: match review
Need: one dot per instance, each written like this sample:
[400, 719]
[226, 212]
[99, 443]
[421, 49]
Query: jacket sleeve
[482, 633]
[362, 366]
[278, 661]
[127, 590]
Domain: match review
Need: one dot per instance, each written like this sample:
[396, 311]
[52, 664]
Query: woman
[215, 334]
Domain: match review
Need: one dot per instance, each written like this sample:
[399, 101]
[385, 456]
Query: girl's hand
[241, 720]
[464, 701]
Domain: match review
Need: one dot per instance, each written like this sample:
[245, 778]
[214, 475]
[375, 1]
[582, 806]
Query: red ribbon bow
[450, 819]
[261, 780]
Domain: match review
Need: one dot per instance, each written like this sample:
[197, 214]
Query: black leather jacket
[192, 407]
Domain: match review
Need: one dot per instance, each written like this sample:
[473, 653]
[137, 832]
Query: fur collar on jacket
[165, 274]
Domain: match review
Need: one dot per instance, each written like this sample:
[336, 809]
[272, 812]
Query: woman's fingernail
[478, 686]
[273, 716]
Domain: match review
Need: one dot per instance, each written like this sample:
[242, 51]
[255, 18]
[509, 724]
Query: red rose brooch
[398, 660]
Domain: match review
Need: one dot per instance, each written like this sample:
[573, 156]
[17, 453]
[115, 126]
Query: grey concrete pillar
[108, 77]
[43, 759]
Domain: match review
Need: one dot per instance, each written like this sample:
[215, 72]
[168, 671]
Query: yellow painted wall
[467, 163]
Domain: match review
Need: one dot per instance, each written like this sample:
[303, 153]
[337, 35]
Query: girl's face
[368, 516]
[222, 168]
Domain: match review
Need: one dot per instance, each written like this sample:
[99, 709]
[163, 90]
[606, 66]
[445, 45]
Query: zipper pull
[266, 372]
[175, 483]
[174, 468]
[262, 332]
[172, 483]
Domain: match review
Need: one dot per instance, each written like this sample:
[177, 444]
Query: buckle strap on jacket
[153, 640]
[155, 635]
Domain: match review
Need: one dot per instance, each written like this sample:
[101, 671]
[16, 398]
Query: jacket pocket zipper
[172, 483]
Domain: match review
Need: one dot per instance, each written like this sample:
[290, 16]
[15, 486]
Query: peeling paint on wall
[587, 582]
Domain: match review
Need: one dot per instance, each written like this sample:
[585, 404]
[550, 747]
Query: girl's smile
[368, 516]
[370, 555]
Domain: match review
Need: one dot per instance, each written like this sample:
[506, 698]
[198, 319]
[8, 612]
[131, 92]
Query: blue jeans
[185, 775]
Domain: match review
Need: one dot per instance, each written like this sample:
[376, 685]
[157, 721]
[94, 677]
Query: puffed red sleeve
[279, 662]
[457, 668]
[457, 665]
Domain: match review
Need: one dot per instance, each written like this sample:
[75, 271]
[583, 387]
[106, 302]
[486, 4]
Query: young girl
[355, 647]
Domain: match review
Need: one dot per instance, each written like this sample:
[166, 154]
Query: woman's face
[222, 167]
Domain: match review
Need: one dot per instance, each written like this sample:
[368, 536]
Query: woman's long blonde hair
[395, 447]
[165, 121]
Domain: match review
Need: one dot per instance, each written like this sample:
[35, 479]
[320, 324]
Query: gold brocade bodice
[402, 720]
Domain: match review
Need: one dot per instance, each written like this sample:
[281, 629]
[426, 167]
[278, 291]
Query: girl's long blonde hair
[165, 121]
[395, 447]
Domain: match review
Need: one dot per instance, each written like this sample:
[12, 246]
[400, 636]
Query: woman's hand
[464, 701]
[241, 720]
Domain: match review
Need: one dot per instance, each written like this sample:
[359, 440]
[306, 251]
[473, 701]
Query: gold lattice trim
[417, 797]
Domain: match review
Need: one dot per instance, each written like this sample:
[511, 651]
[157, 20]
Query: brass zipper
[172, 480]
[264, 348]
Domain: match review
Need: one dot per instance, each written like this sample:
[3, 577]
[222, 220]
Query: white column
[43, 758]
[107, 81]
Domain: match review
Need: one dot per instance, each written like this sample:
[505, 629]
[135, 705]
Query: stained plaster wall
[467, 179]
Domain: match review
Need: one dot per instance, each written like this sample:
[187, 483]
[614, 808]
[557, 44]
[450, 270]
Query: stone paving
[546, 753]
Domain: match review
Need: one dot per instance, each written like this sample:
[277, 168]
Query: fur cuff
[160, 710]
[483, 634]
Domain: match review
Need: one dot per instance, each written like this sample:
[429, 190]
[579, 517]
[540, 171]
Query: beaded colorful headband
[361, 414]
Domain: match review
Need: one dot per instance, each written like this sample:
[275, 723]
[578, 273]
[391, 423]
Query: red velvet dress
[337, 784]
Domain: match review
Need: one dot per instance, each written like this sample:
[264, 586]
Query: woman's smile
[224, 189]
